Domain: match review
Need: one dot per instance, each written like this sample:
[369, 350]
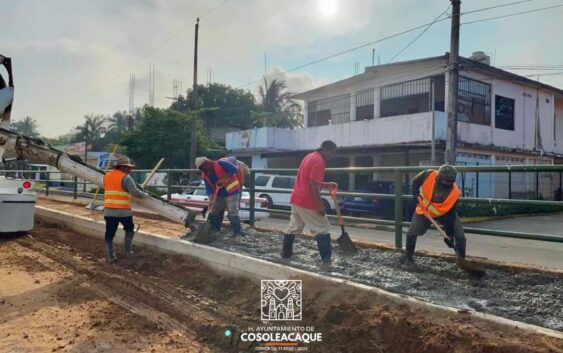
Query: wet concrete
[531, 297]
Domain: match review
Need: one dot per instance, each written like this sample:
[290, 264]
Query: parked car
[267, 184]
[366, 206]
[197, 198]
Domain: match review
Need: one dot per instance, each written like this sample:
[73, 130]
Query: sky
[74, 57]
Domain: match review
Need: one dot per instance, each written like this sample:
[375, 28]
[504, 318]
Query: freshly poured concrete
[532, 297]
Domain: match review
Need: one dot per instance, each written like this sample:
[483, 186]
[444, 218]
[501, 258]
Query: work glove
[449, 242]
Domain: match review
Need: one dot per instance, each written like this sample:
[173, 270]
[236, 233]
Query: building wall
[558, 126]
[391, 130]
[530, 106]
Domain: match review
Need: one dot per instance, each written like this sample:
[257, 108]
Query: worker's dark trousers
[419, 226]
[113, 222]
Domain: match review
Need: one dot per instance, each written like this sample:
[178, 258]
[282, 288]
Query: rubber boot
[236, 225]
[287, 250]
[110, 254]
[325, 248]
[460, 248]
[408, 258]
[128, 243]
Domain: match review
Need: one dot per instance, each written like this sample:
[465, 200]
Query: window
[200, 192]
[282, 182]
[474, 101]
[504, 113]
[335, 110]
[261, 180]
[405, 98]
[364, 104]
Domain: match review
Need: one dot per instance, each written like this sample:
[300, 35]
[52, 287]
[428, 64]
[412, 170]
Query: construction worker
[118, 187]
[436, 195]
[307, 207]
[222, 174]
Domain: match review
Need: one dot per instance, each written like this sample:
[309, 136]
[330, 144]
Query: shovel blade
[346, 244]
[94, 207]
[204, 234]
[471, 268]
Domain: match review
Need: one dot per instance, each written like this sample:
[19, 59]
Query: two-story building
[395, 115]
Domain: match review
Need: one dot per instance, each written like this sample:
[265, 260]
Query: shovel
[343, 240]
[471, 268]
[203, 233]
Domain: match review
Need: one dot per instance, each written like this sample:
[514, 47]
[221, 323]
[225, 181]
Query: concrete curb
[257, 269]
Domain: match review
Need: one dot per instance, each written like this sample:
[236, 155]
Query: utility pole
[85, 151]
[453, 81]
[193, 142]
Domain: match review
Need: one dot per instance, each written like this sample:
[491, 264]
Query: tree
[92, 130]
[164, 133]
[278, 108]
[118, 126]
[118, 123]
[28, 127]
[220, 105]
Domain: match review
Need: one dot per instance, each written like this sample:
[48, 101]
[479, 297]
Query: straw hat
[124, 161]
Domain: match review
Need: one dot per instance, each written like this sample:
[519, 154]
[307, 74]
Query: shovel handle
[337, 208]
[212, 201]
[434, 223]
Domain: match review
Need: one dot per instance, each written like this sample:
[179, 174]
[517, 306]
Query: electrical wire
[420, 34]
[495, 7]
[512, 14]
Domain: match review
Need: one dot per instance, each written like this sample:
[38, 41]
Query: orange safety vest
[240, 171]
[115, 196]
[231, 185]
[426, 192]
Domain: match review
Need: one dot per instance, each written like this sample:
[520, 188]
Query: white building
[388, 115]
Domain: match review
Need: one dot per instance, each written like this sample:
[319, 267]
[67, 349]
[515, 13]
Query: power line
[496, 7]
[344, 52]
[512, 14]
[549, 74]
[420, 34]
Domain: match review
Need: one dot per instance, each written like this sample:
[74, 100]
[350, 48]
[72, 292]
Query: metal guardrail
[398, 197]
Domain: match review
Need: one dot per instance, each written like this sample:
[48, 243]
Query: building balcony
[396, 130]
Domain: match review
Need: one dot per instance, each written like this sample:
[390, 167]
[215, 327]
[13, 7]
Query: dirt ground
[57, 294]
[527, 295]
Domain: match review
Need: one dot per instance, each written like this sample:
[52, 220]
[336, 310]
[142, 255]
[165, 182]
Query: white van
[17, 205]
[267, 184]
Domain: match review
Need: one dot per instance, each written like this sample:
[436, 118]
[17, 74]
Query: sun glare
[328, 8]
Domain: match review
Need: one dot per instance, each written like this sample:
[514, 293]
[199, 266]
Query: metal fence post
[509, 184]
[168, 185]
[252, 190]
[398, 210]
[47, 174]
[75, 189]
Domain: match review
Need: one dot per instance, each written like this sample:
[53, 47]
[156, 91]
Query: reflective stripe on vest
[427, 190]
[115, 196]
[232, 184]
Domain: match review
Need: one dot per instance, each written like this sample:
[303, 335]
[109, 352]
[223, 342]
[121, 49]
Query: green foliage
[93, 130]
[220, 105]
[164, 133]
[278, 108]
[484, 210]
[28, 127]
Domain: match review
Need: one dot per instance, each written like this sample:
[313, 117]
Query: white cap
[199, 161]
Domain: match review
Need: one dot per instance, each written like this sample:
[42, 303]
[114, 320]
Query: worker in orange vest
[436, 194]
[118, 189]
[222, 174]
